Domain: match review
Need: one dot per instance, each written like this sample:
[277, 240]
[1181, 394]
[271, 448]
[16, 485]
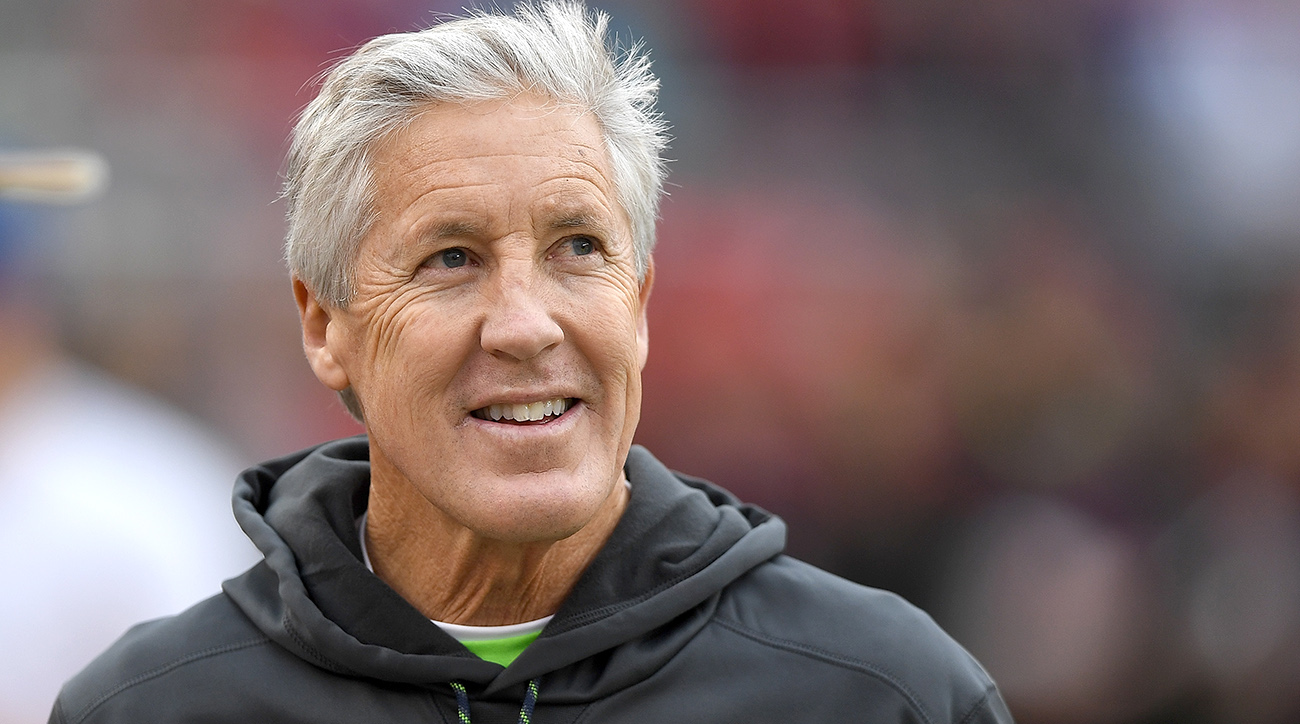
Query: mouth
[531, 413]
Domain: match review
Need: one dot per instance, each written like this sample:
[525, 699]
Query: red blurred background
[998, 303]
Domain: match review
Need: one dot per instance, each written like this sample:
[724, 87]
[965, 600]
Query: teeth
[528, 412]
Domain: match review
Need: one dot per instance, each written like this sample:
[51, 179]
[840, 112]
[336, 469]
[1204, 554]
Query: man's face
[498, 284]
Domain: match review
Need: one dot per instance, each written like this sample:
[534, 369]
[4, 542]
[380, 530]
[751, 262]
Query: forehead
[521, 143]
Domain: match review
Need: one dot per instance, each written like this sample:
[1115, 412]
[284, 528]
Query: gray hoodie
[689, 614]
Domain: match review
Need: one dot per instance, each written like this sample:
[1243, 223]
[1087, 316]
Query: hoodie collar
[314, 596]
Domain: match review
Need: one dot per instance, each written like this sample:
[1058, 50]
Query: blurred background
[997, 303]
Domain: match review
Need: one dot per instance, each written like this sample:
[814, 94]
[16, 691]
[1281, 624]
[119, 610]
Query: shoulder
[167, 658]
[837, 625]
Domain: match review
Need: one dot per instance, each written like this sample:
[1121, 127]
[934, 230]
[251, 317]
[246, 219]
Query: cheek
[606, 335]
[609, 340]
[414, 352]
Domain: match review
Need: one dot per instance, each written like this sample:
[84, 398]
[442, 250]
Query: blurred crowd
[997, 303]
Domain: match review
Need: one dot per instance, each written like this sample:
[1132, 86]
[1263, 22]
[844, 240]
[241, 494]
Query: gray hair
[556, 49]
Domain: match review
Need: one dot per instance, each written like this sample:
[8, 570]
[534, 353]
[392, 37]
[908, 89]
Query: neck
[452, 574]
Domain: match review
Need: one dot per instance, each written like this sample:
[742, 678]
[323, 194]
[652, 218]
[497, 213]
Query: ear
[642, 328]
[316, 337]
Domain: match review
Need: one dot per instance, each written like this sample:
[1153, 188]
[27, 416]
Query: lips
[540, 411]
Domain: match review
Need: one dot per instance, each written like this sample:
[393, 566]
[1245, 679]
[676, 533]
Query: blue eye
[452, 258]
[582, 245]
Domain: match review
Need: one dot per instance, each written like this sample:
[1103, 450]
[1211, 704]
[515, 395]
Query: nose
[518, 324]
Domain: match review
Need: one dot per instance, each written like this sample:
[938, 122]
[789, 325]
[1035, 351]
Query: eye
[450, 258]
[581, 245]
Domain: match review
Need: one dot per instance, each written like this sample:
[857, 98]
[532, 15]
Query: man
[471, 214]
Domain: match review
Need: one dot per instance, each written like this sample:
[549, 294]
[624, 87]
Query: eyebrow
[467, 229]
[454, 230]
[578, 220]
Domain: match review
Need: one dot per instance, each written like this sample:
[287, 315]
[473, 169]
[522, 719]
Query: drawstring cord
[525, 713]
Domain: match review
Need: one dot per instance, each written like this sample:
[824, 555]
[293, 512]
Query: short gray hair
[556, 49]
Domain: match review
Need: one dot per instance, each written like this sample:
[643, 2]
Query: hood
[312, 594]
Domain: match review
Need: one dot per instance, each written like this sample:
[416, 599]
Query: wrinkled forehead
[528, 125]
[453, 154]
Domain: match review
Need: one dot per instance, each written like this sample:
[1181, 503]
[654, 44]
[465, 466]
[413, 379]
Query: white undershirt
[458, 631]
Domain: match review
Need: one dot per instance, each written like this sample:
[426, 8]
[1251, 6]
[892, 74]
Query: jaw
[505, 481]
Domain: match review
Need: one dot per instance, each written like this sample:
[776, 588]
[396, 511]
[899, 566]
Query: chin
[542, 507]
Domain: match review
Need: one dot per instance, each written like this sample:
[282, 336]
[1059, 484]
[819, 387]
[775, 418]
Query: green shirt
[503, 650]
